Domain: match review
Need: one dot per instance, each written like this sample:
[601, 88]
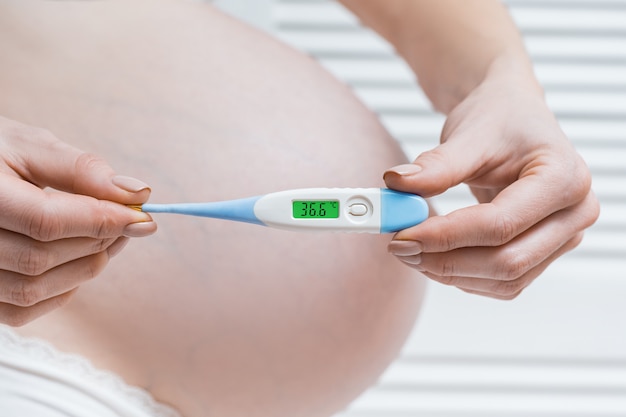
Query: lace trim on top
[81, 367]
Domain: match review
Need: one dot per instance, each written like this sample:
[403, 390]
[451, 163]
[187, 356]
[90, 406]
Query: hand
[532, 186]
[62, 216]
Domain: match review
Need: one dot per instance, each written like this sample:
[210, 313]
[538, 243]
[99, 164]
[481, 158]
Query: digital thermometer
[373, 210]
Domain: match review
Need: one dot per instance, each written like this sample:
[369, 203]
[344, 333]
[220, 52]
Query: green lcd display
[316, 209]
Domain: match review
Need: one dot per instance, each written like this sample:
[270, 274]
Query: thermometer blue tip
[401, 210]
[241, 210]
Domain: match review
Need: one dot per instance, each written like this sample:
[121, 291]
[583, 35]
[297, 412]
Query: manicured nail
[117, 246]
[404, 170]
[404, 247]
[413, 260]
[140, 229]
[130, 184]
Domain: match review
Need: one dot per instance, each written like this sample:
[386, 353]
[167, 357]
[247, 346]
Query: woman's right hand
[63, 215]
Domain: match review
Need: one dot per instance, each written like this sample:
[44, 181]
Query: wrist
[515, 69]
[507, 71]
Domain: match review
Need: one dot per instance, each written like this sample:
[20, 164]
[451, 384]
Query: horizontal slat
[508, 374]
[600, 132]
[602, 244]
[586, 74]
[570, 312]
[610, 49]
[405, 127]
[604, 133]
[588, 104]
[553, 74]
[389, 100]
[369, 70]
[563, 19]
[613, 218]
[543, 18]
[337, 42]
[364, 44]
[611, 188]
[471, 403]
[317, 13]
[537, 5]
[568, 4]
[447, 413]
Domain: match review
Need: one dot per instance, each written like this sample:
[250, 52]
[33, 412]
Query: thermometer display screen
[316, 209]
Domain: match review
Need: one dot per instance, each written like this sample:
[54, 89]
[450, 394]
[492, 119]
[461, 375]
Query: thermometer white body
[372, 210]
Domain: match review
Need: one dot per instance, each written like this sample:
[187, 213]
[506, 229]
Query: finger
[16, 316]
[492, 225]
[485, 195]
[48, 162]
[46, 216]
[494, 296]
[504, 290]
[117, 246]
[512, 260]
[24, 291]
[26, 256]
[437, 170]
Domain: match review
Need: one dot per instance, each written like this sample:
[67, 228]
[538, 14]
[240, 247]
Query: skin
[500, 138]
[225, 319]
[53, 242]
[211, 317]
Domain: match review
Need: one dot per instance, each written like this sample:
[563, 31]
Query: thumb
[60, 166]
[434, 171]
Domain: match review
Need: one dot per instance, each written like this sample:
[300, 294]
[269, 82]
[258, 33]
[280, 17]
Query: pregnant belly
[214, 318]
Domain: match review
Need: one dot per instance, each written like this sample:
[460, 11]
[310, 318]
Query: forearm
[450, 44]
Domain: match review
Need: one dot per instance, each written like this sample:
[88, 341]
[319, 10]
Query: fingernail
[413, 260]
[139, 216]
[404, 170]
[404, 247]
[140, 229]
[130, 184]
[117, 246]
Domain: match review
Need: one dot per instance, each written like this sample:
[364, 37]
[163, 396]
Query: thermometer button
[357, 209]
